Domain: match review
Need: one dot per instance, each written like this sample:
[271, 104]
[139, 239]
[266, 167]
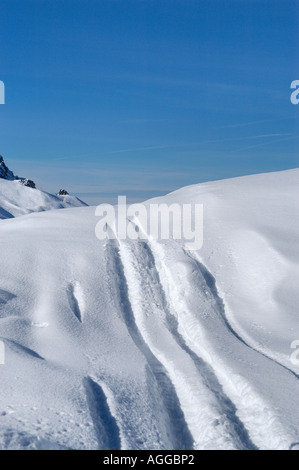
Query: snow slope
[143, 345]
[17, 199]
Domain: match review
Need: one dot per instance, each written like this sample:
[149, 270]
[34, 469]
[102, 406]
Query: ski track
[105, 424]
[227, 408]
[5, 297]
[211, 283]
[178, 433]
[228, 431]
[247, 399]
[18, 347]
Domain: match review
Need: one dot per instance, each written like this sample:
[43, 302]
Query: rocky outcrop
[5, 172]
[28, 183]
[62, 192]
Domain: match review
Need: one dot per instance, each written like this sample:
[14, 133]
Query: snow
[143, 344]
[17, 200]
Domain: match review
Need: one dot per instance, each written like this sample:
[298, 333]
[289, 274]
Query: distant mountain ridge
[5, 172]
[19, 196]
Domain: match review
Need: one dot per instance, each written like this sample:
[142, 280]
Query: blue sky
[140, 97]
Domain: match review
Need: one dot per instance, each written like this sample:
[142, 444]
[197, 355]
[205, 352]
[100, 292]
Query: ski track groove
[178, 431]
[294, 444]
[6, 297]
[229, 410]
[105, 425]
[211, 283]
[18, 347]
[238, 432]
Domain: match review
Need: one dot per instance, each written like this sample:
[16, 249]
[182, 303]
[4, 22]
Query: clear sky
[141, 97]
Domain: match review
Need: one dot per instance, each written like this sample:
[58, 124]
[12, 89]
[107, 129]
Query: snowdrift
[144, 345]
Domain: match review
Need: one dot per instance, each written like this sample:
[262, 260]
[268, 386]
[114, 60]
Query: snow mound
[143, 345]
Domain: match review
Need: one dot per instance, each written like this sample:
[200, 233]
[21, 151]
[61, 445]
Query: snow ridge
[18, 199]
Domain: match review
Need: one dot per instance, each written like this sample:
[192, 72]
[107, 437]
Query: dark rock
[5, 172]
[62, 192]
[28, 183]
